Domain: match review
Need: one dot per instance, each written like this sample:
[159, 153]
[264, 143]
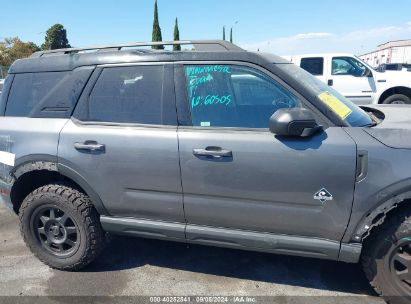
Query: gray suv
[215, 146]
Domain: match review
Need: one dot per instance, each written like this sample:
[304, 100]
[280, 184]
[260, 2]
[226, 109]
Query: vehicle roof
[320, 55]
[66, 60]
[69, 59]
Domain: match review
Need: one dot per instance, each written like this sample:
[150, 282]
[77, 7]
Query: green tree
[56, 38]
[156, 29]
[176, 47]
[223, 32]
[231, 35]
[13, 48]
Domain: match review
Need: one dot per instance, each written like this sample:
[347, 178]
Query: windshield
[345, 109]
[365, 63]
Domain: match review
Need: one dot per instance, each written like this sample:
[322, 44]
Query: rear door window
[313, 65]
[132, 94]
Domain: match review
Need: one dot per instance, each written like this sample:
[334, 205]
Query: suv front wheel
[61, 227]
[387, 257]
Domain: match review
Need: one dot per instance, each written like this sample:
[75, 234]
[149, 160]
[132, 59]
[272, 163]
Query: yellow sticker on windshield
[336, 105]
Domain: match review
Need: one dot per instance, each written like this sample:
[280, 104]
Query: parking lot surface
[138, 267]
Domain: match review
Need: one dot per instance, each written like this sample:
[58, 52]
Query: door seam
[181, 183]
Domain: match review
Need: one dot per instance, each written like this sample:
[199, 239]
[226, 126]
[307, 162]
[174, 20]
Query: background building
[390, 52]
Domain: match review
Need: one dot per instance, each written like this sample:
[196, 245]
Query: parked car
[216, 146]
[355, 79]
[394, 67]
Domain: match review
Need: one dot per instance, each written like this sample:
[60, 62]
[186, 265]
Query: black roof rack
[199, 45]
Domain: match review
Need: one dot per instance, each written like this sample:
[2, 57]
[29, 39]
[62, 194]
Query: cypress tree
[156, 29]
[231, 35]
[56, 38]
[176, 47]
[224, 32]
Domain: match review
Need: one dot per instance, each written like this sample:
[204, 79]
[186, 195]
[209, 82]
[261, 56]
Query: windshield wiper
[373, 124]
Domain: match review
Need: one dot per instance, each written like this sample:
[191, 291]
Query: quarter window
[314, 66]
[126, 95]
[234, 96]
[30, 92]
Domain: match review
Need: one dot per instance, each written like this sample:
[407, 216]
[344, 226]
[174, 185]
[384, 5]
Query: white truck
[356, 80]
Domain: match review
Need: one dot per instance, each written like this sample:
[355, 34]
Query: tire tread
[90, 219]
[394, 223]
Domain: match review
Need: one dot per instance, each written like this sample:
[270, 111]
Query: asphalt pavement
[131, 268]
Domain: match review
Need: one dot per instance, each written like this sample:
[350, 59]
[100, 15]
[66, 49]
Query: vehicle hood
[393, 77]
[395, 130]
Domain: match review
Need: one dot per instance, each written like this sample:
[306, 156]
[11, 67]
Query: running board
[264, 242]
[231, 238]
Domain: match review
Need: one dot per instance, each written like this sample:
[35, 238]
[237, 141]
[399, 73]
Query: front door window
[234, 96]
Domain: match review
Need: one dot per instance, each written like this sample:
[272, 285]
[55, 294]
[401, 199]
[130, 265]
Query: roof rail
[199, 45]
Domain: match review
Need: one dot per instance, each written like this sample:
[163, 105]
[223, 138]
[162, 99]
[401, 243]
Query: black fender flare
[48, 162]
[80, 180]
[377, 216]
[24, 166]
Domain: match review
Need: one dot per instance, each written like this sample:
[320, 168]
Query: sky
[277, 26]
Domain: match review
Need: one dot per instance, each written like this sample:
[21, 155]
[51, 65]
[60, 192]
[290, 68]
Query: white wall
[400, 54]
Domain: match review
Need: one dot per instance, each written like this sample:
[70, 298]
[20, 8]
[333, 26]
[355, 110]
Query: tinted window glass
[234, 96]
[315, 66]
[127, 95]
[30, 91]
[393, 67]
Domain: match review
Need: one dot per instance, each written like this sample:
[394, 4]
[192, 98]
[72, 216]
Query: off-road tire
[397, 97]
[378, 254]
[80, 211]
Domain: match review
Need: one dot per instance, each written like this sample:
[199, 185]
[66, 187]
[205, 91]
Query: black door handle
[89, 146]
[213, 152]
[330, 82]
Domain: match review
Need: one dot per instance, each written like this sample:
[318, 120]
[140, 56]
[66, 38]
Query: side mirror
[298, 122]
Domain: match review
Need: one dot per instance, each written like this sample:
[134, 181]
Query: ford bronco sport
[215, 146]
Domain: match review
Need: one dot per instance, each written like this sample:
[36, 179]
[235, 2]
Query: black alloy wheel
[55, 230]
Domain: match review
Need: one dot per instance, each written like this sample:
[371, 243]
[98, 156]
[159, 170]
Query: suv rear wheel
[61, 227]
[387, 257]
